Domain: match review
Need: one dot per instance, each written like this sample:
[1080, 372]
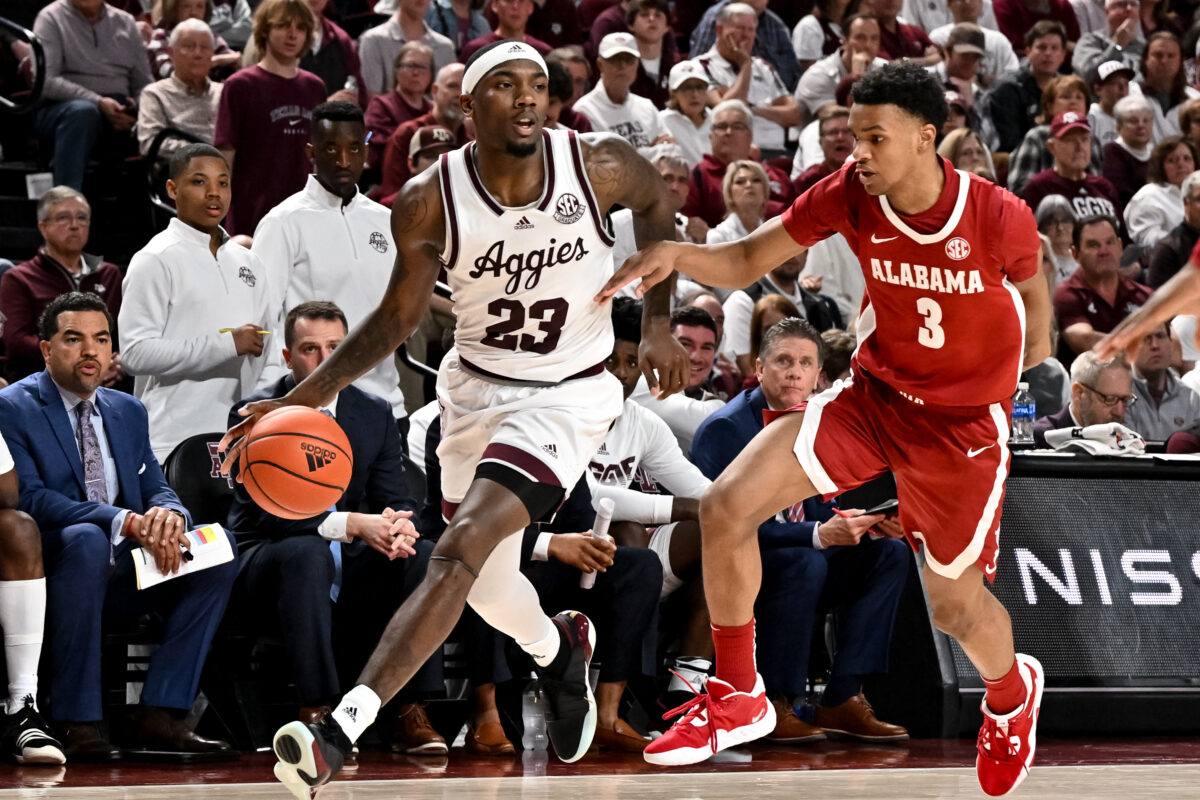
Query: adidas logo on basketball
[523, 224]
[317, 456]
[551, 449]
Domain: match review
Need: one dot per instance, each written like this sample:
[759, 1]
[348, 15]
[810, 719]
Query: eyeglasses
[1125, 4]
[727, 127]
[1110, 400]
[66, 218]
[412, 66]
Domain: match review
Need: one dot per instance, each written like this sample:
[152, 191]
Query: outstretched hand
[664, 362]
[234, 440]
[653, 265]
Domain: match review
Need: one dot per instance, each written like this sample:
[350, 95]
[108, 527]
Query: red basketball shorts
[950, 465]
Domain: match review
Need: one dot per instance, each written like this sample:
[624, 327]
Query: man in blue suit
[89, 479]
[812, 560]
[365, 563]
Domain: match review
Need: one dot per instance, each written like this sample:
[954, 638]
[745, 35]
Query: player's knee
[718, 507]
[20, 545]
[951, 614]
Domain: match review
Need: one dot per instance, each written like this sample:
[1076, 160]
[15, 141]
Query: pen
[368, 139]
[187, 554]
[230, 330]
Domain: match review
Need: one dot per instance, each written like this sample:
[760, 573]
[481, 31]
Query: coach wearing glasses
[1101, 391]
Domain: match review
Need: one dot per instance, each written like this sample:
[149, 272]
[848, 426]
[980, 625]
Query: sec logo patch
[957, 248]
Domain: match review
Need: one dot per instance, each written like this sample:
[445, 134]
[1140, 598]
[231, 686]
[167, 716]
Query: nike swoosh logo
[974, 452]
[876, 240]
[990, 570]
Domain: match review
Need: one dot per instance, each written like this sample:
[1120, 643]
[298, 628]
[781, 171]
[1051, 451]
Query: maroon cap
[429, 138]
[1068, 121]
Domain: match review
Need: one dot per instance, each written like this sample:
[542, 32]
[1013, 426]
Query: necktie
[335, 547]
[93, 461]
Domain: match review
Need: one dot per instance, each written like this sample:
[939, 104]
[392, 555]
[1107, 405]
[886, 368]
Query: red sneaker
[1007, 743]
[714, 720]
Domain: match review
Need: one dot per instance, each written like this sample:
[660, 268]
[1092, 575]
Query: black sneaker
[27, 739]
[570, 708]
[310, 754]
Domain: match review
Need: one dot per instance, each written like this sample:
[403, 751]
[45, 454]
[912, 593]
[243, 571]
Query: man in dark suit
[90, 481]
[812, 560]
[365, 563]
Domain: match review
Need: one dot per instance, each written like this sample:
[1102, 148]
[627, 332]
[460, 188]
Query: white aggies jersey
[523, 279]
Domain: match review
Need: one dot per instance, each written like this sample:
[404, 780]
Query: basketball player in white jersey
[518, 220]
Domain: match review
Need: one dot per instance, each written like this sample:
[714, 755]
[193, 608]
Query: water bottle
[534, 736]
[1024, 410]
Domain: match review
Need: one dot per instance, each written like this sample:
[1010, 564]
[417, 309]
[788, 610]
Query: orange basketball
[297, 462]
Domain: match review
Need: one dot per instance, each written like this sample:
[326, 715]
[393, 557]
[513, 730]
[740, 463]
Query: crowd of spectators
[285, 137]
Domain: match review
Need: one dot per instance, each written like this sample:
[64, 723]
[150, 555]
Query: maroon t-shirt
[705, 199]
[1092, 195]
[483, 41]
[395, 158]
[1075, 301]
[265, 118]
[908, 41]
[385, 113]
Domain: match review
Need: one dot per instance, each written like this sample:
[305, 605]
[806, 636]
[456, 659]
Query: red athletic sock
[1008, 693]
[735, 655]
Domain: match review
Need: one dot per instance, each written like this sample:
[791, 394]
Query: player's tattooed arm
[418, 230]
[620, 176]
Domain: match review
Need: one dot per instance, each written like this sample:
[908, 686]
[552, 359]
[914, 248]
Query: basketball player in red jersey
[955, 304]
[518, 221]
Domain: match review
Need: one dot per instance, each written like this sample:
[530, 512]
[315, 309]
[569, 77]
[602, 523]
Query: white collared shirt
[176, 298]
[314, 248]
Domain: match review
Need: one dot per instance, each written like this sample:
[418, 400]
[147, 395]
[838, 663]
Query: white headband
[494, 58]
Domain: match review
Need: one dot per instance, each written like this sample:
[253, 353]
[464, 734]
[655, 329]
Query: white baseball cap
[686, 71]
[617, 43]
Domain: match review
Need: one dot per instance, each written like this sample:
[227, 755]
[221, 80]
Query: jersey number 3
[550, 315]
[931, 334]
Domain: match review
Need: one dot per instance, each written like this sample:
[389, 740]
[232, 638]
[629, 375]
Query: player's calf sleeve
[507, 601]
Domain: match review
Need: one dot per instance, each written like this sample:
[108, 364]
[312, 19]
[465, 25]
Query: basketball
[297, 462]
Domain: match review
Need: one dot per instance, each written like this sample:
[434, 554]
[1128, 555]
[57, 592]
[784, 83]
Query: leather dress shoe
[789, 728]
[415, 734]
[855, 719]
[153, 728]
[83, 742]
[621, 736]
[488, 739]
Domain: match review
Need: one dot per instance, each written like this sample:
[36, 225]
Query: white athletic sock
[546, 648]
[23, 617]
[357, 710]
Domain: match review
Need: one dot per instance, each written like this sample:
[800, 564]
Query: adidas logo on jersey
[603, 451]
[523, 224]
[551, 449]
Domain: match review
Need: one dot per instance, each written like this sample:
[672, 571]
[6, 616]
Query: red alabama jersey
[941, 321]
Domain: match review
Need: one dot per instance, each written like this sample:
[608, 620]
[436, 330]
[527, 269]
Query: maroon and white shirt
[524, 279]
[941, 321]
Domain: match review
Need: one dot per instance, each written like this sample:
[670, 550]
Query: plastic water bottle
[534, 719]
[1024, 410]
